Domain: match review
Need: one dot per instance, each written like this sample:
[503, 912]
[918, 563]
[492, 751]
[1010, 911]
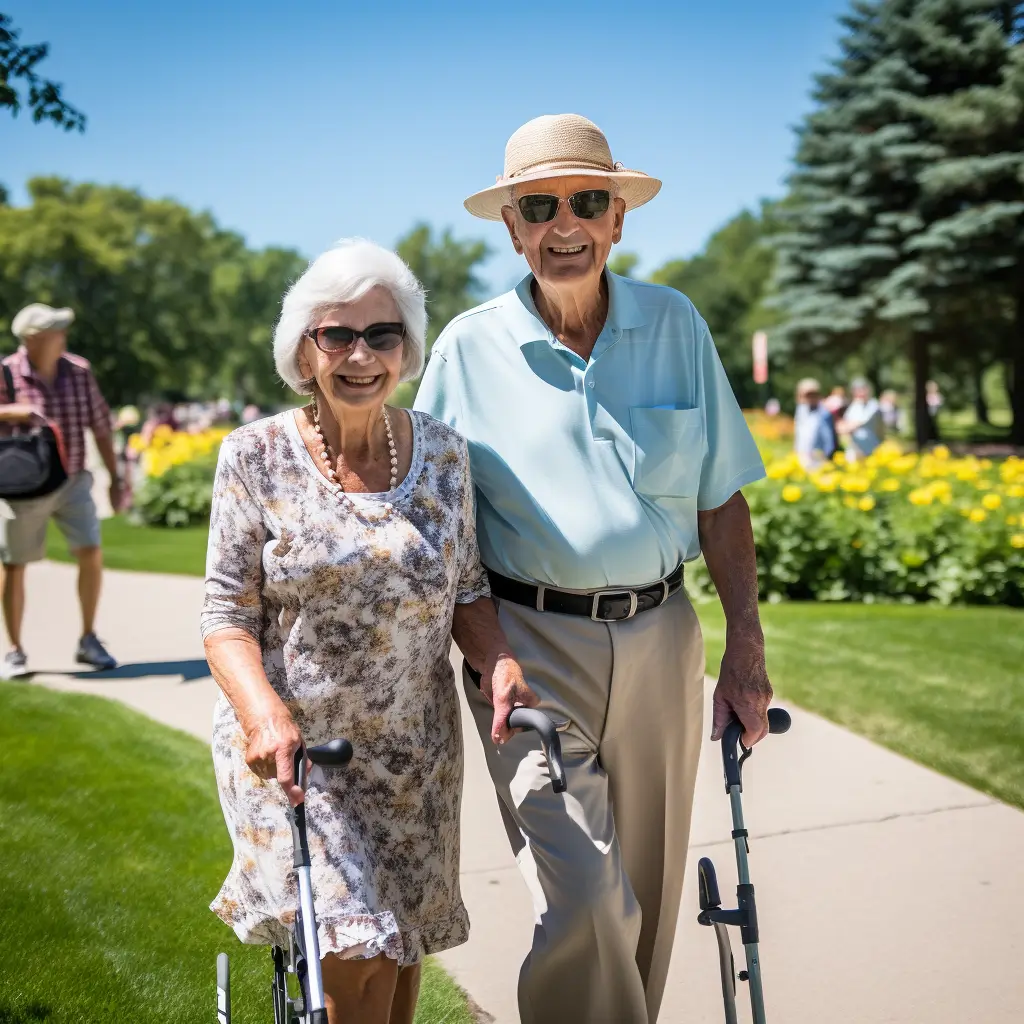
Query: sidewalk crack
[853, 824]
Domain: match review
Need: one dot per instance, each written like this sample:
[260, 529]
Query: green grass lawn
[111, 848]
[944, 686]
[143, 548]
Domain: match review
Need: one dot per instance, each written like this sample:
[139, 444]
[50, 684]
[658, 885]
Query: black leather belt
[611, 605]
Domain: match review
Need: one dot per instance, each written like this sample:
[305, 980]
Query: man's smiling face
[567, 249]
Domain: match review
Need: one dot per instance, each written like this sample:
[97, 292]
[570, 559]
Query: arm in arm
[475, 625]
[478, 633]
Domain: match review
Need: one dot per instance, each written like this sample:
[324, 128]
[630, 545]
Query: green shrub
[180, 496]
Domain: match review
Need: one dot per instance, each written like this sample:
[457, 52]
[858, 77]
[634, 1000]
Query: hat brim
[62, 319]
[635, 188]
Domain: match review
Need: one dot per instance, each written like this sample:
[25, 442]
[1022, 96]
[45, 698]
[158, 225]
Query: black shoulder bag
[31, 465]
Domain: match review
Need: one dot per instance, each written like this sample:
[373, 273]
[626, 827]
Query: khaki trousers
[604, 862]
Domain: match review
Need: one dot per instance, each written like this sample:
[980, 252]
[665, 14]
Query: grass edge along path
[179, 551]
[942, 686]
[111, 849]
[939, 685]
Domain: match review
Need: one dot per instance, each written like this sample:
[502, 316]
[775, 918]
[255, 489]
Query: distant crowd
[190, 417]
[856, 421]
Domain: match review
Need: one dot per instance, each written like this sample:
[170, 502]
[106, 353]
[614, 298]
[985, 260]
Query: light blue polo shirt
[589, 474]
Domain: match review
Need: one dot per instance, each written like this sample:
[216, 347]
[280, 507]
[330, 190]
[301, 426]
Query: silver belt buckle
[613, 593]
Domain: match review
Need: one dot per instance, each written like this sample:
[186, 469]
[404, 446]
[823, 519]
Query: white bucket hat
[39, 317]
[559, 146]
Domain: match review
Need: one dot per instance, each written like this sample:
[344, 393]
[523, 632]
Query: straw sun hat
[558, 146]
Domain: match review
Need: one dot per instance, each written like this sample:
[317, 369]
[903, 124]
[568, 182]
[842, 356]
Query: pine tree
[856, 264]
[972, 251]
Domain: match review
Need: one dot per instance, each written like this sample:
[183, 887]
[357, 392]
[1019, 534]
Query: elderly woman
[342, 555]
[861, 426]
[607, 450]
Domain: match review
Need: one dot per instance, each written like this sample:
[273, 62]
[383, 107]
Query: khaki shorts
[23, 529]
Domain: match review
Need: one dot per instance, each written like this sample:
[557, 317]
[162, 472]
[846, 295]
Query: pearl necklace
[328, 460]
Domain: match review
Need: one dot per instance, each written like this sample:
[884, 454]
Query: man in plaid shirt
[51, 385]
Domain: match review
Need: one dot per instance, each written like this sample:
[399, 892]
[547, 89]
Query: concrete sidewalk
[886, 893]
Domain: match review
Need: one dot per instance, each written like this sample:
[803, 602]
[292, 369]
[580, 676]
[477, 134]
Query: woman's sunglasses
[378, 337]
[589, 204]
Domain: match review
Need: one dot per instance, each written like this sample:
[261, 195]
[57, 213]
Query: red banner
[760, 357]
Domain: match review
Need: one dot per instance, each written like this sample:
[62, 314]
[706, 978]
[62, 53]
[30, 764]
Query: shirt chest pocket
[668, 449]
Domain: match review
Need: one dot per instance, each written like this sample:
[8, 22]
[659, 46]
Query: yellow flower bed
[169, 448]
[896, 525]
[178, 470]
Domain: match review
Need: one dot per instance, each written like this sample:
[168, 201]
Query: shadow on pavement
[190, 669]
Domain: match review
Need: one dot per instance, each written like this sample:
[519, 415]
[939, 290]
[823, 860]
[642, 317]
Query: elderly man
[607, 449]
[814, 436]
[51, 384]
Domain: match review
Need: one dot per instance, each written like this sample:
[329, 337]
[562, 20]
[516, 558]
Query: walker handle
[531, 718]
[332, 754]
[779, 722]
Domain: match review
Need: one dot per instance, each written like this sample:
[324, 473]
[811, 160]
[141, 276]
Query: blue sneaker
[92, 652]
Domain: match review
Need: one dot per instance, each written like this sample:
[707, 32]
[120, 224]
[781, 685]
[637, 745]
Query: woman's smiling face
[355, 375]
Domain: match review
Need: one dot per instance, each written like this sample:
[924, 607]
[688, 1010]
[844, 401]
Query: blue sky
[299, 124]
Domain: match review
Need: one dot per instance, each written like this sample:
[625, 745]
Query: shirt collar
[26, 369]
[624, 312]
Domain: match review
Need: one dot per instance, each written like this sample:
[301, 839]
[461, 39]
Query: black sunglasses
[378, 337]
[589, 204]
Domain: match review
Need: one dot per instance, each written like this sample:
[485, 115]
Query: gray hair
[345, 273]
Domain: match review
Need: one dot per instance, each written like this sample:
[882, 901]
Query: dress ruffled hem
[369, 935]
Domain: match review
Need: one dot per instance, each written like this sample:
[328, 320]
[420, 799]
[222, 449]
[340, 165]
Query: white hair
[345, 273]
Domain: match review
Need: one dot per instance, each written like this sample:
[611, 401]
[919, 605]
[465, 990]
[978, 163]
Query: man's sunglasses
[378, 337]
[589, 204]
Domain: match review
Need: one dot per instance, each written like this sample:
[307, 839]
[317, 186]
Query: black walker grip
[333, 754]
[531, 718]
[779, 722]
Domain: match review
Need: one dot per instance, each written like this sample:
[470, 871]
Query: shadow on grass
[32, 1013]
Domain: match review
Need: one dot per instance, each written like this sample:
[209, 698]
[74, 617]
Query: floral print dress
[352, 605]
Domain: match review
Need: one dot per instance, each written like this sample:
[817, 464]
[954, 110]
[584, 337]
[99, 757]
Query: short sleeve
[473, 583]
[234, 557]
[99, 411]
[438, 393]
[732, 458]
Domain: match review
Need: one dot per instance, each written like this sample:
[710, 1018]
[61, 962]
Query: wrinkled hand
[743, 690]
[271, 742]
[505, 688]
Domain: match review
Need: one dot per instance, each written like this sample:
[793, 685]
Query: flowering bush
[769, 428]
[178, 469]
[894, 526]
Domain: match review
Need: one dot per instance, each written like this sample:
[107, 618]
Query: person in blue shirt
[607, 450]
[814, 436]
